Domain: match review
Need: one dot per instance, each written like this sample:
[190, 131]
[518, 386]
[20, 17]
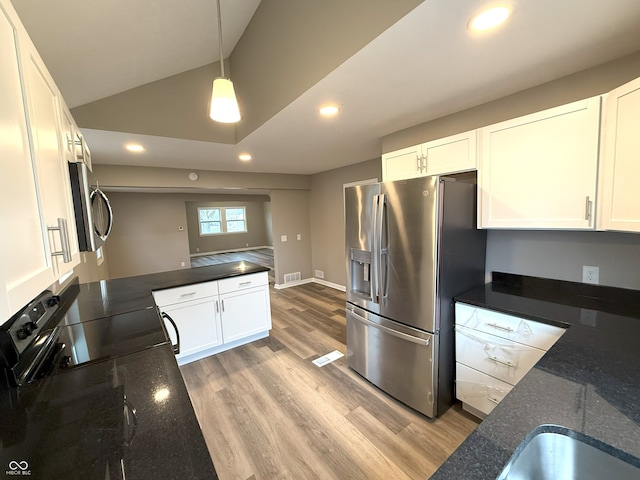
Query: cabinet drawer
[243, 282]
[479, 390]
[527, 332]
[186, 293]
[503, 359]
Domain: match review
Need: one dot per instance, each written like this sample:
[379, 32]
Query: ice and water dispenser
[360, 273]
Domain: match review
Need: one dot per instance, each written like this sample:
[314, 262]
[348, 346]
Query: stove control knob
[21, 333]
[53, 301]
[29, 327]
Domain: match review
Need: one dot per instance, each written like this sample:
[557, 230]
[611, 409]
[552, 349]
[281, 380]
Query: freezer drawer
[397, 359]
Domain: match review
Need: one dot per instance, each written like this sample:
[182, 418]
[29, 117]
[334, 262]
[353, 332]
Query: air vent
[291, 277]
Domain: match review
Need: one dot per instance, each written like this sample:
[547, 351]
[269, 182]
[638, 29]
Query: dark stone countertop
[80, 423]
[589, 381]
[121, 295]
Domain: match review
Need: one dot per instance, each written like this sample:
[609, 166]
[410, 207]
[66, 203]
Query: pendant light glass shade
[224, 106]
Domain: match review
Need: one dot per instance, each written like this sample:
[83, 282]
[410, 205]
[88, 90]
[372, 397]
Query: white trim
[336, 286]
[221, 348]
[245, 249]
[281, 286]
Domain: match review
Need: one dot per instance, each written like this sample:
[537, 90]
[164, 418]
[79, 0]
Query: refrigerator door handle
[384, 250]
[380, 251]
[375, 286]
[390, 331]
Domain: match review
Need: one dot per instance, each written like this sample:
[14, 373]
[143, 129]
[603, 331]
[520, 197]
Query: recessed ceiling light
[329, 110]
[245, 157]
[134, 147]
[489, 18]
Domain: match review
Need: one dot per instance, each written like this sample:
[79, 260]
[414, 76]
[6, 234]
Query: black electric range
[93, 399]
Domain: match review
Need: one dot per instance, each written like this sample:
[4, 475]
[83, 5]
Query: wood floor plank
[267, 412]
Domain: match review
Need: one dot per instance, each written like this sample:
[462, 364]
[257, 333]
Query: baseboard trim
[281, 286]
[322, 281]
[244, 249]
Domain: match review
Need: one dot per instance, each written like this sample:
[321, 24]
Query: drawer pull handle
[493, 400]
[244, 284]
[502, 362]
[500, 327]
[188, 294]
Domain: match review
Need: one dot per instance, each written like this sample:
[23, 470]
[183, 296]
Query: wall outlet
[299, 237]
[283, 238]
[319, 274]
[182, 264]
[590, 274]
[197, 249]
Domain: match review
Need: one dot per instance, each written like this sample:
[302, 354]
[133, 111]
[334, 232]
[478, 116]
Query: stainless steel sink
[555, 452]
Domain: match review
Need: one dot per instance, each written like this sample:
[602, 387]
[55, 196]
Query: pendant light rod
[220, 39]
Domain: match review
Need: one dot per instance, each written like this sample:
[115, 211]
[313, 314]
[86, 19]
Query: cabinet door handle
[222, 305]
[500, 327]
[587, 209]
[425, 158]
[418, 163]
[501, 362]
[217, 307]
[176, 347]
[65, 253]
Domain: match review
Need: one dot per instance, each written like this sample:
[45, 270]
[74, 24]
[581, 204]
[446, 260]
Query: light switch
[283, 238]
[299, 237]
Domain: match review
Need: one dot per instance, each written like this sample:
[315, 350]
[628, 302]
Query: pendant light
[224, 106]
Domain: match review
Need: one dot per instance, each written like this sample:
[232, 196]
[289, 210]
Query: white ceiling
[425, 66]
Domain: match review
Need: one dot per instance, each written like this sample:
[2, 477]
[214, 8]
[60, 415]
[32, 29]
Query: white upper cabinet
[34, 187]
[453, 154]
[539, 171]
[402, 164]
[26, 264]
[620, 169]
[50, 163]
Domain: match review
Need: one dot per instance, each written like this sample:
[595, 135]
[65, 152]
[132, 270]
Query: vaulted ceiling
[141, 71]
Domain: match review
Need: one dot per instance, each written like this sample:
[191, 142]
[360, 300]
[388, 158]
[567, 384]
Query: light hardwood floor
[267, 412]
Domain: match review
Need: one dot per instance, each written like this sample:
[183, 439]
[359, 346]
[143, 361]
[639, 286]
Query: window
[220, 220]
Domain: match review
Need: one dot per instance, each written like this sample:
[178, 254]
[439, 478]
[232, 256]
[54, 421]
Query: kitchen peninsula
[123, 409]
[588, 381]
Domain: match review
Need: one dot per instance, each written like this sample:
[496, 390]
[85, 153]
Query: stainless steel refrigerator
[411, 245]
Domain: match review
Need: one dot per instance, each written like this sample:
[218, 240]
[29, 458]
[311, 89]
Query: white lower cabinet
[198, 324]
[212, 317]
[493, 352]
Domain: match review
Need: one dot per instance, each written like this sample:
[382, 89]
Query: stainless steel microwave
[94, 217]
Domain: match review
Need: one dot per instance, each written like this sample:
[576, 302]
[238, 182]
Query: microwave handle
[176, 347]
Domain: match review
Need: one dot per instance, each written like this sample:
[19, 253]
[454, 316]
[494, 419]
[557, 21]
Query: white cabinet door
[26, 265]
[198, 322]
[245, 313]
[52, 174]
[539, 171]
[621, 159]
[402, 164]
[453, 154]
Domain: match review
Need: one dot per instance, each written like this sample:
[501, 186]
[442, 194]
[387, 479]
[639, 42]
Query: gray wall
[88, 270]
[145, 236]
[256, 235]
[327, 216]
[290, 216]
[550, 254]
